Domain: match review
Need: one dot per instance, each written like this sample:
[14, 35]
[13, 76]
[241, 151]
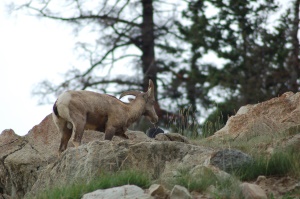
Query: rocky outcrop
[29, 164]
[278, 115]
[157, 158]
[23, 158]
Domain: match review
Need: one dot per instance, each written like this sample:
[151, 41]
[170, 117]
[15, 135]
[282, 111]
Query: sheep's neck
[135, 111]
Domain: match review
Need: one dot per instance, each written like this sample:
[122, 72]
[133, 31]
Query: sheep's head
[149, 98]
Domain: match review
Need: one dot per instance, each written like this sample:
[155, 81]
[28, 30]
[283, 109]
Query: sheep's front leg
[109, 132]
[122, 134]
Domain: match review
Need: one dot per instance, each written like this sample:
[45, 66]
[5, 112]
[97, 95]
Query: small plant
[205, 180]
[103, 181]
[227, 188]
[195, 182]
[209, 127]
[185, 123]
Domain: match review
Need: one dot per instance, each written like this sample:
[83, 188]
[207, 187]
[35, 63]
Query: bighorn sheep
[75, 111]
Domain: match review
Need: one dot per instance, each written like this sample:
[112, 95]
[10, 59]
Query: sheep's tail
[55, 111]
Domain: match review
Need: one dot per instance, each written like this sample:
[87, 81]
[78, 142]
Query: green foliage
[227, 188]
[224, 186]
[258, 59]
[195, 183]
[279, 163]
[103, 181]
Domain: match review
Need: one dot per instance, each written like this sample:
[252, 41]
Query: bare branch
[85, 17]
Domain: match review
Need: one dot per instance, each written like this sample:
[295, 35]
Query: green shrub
[195, 182]
[203, 178]
[279, 164]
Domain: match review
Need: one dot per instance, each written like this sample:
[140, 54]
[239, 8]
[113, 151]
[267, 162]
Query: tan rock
[279, 186]
[171, 137]
[158, 191]
[156, 158]
[253, 191]
[180, 192]
[276, 115]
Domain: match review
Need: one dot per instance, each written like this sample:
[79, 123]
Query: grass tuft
[280, 163]
[195, 183]
[206, 181]
[104, 181]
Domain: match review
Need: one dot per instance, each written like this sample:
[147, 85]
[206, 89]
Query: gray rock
[230, 159]
[122, 192]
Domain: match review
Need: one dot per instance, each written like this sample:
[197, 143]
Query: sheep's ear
[151, 88]
[149, 92]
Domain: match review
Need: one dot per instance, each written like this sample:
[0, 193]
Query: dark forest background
[169, 42]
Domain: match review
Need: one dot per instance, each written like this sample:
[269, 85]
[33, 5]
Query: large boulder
[277, 115]
[230, 159]
[89, 160]
[22, 158]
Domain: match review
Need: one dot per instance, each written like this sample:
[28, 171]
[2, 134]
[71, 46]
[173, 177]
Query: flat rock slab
[122, 192]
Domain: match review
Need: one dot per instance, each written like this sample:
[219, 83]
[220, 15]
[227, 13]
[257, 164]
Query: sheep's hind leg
[78, 133]
[65, 137]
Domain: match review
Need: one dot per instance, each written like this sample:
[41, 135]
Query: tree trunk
[295, 65]
[148, 56]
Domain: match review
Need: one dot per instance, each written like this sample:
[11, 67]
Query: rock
[279, 186]
[86, 161]
[124, 192]
[276, 115]
[171, 137]
[252, 191]
[158, 191]
[180, 192]
[153, 132]
[25, 160]
[137, 136]
[230, 159]
[22, 158]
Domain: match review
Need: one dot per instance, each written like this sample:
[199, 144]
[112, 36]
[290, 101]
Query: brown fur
[75, 111]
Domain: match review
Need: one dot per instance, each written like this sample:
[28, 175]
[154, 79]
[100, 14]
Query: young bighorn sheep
[75, 111]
